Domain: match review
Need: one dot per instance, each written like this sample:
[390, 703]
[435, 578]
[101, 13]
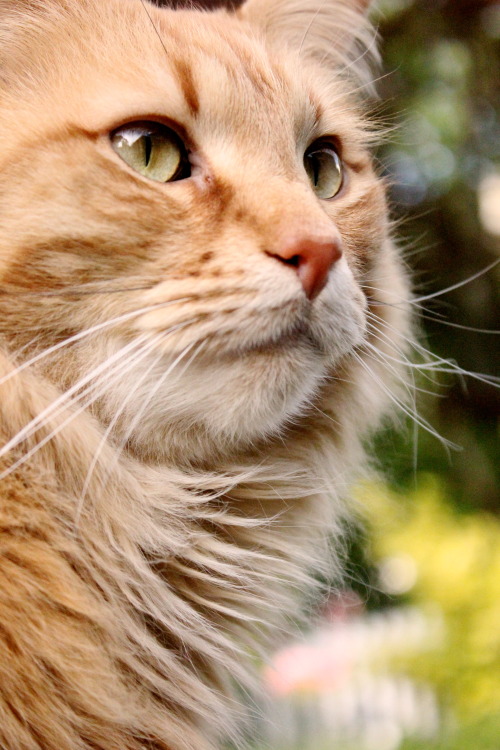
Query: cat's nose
[312, 257]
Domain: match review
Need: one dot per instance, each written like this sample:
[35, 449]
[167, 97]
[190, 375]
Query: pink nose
[312, 257]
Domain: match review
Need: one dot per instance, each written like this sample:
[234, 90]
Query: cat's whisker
[119, 371]
[62, 401]
[397, 371]
[78, 290]
[375, 327]
[425, 314]
[433, 363]
[158, 384]
[402, 302]
[406, 377]
[459, 284]
[472, 329]
[415, 417]
[88, 332]
[417, 300]
[327, 416]
[100, 381]
[411, 390]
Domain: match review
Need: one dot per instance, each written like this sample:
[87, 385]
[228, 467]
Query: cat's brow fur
[180, 423]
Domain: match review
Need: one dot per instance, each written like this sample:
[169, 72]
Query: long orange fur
[180, 423]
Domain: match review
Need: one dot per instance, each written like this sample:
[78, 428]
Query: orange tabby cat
[199, 302]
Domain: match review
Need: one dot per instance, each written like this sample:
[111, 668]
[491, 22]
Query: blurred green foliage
[481, 735]
[442, 88]
[457, 569]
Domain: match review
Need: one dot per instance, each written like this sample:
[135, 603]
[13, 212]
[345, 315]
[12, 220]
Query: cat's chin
[214, 407]
[210, 402]
[217, 407]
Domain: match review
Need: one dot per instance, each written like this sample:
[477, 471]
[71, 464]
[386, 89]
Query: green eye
[153, 150]
[324, 169]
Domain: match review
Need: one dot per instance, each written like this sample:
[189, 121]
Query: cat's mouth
[283, 334]
[231, 327]
[299, 334]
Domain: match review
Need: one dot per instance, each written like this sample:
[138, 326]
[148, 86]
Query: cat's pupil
[148, 147]
[315, 169]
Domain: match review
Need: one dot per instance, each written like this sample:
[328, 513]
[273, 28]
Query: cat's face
[176, 163]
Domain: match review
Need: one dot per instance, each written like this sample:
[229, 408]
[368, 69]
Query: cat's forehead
[208, 71]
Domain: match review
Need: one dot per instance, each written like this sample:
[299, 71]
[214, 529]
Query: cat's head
[188, 202]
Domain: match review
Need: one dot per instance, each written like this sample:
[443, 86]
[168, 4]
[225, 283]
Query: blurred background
[405, 654]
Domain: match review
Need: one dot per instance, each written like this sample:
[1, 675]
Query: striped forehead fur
[334, 33]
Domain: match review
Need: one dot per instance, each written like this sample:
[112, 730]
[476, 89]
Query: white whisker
[414, 416]
[432, 362]
[459, 284]
[89, 332]
[118, 372]
[46, 413]
[140, 412]
[138, 416]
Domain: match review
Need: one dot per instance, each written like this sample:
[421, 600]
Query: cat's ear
[334, 32]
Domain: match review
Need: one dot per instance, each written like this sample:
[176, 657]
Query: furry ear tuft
[334, 33]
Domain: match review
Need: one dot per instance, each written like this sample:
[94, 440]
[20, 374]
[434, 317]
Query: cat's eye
[153, 150]
[324, 169]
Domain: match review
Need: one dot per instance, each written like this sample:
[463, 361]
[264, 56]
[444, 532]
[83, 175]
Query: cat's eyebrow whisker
[371, 83]
[310, 25]
[154, 27]
[88, 332]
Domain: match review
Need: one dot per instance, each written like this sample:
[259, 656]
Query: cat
[202, 322]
